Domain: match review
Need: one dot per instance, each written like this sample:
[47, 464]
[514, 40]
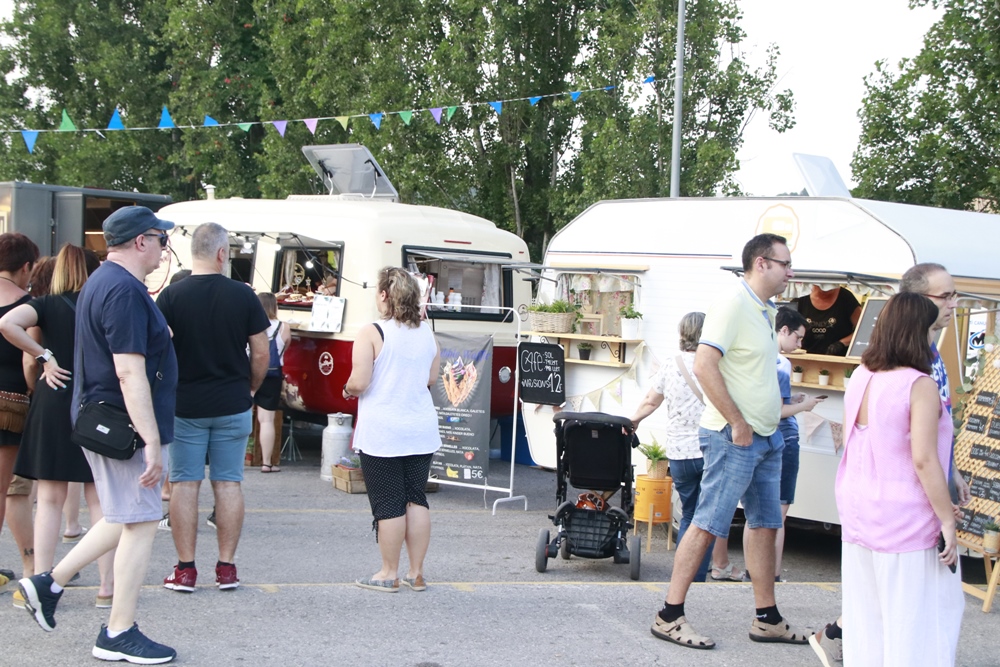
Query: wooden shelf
[826, 358]
[592, 362]
[574, 336]
[812, 385]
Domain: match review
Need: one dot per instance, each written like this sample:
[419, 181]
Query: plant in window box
[797, 373]
[991, 537]
[585, 349]
[556, 317]
[656, 460]
[824, 377]
[630, 319]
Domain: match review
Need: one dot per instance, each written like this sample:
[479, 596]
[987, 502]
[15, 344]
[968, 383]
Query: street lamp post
[675, 153]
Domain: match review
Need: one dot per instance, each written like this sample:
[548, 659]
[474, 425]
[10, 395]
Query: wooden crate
[349, 480]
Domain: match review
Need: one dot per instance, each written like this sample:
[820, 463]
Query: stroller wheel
[564, 549]
[542, 550]
[634, 558]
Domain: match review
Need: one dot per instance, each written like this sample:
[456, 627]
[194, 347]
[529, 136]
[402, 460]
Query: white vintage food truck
[320, 255]
[670, 257]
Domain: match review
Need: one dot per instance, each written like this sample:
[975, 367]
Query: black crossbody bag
[106, 429]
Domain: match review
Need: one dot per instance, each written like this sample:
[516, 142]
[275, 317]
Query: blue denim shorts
[222, 439]
[733, 473]
[789, 470]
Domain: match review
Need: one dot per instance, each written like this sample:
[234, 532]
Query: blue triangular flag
[609, 87]
[649, 79]
[166, 122]
[210, 122]
[497, 106]
[116, 122]
[30, 136]
[376, 119]
[575, 95]
[534, 100]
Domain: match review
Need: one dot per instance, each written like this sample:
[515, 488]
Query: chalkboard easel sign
[542, 374]
[866, 325]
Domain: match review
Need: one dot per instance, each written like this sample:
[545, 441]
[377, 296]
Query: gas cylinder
[336, 442]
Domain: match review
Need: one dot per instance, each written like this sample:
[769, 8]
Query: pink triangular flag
[436, 112]
[311, 124]
[280, 125]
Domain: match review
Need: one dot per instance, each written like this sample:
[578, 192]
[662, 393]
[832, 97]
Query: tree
[930, 129]
[528, 167]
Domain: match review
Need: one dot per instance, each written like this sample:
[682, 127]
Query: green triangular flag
[343, 120]
[407, 116]
[451, 112]
[244, 126]
[66, 125]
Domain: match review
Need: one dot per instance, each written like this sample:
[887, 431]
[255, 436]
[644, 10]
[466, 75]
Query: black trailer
[52, 215]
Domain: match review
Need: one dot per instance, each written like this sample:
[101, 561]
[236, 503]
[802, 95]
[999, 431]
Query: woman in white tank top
[394, 362]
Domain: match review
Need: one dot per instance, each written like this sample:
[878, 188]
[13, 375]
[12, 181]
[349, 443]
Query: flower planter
[991, 541]
[630, 329]
[658, 469]
[584, 355]
[824, 380]
[796, 377]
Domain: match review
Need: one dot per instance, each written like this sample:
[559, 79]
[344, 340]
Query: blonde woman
[394, 363]
[268, 396]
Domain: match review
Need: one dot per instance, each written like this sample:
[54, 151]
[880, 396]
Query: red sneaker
[225, 577]
[181, 580]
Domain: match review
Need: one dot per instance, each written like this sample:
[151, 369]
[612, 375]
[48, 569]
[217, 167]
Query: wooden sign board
[977, 450]
[866, 325]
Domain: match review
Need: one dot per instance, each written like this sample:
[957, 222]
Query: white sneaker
[164, 522]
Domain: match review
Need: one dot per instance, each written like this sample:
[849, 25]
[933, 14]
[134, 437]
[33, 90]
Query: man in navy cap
[124, 357]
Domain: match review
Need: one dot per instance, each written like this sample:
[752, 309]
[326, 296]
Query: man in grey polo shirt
[129, 363]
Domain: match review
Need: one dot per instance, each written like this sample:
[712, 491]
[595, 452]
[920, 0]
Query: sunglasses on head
[163, 239]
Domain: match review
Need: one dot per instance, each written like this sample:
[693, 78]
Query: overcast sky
[826, 50]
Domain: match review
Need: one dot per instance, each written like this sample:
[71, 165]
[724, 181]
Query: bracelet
[345, 390]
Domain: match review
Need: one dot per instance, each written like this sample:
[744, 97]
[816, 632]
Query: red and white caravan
[304, 247]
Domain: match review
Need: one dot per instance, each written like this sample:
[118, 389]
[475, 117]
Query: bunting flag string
[166, 121]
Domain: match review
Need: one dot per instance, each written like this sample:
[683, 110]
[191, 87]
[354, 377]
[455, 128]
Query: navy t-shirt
[115, 315]
[213, 318]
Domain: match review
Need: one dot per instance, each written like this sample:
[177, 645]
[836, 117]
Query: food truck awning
[469, 257]
[861, 284]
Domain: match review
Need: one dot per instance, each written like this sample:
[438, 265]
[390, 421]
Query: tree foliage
[931, 127]
[530, 168]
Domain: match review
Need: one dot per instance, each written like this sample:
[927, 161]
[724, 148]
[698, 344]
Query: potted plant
[824, 377]
[991, 537]
[630, 319]
[556, 317]
[848, 372]
[585, 349]
[796, 373]
[656, 460]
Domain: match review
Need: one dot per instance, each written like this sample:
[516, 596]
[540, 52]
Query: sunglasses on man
[163, 239]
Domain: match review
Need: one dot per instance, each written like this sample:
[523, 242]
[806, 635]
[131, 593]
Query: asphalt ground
[304, 544]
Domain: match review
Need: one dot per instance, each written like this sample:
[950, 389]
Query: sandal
[780, 632]
[104, 601]
[73, 539]
[416, 583]
[681, 633]
[383, 585]
[726, 574]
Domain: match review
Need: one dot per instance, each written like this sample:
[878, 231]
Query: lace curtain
[600, 293]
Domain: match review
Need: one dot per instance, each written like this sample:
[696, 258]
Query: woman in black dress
[18, 254]
[47, 453]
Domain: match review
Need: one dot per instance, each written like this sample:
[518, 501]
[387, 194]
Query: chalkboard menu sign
[977, 424]
[987, 398]
[994, 431]
[866, 325]
[542, 373]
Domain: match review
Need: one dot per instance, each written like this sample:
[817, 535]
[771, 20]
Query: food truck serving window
[463, 279]
[303, 272]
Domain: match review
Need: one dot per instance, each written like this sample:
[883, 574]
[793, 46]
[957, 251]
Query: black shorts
[394, 482]
[269, 394]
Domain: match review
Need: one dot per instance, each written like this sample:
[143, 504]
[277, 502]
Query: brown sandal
[681, 633]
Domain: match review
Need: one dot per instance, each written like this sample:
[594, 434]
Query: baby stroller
[593, 451]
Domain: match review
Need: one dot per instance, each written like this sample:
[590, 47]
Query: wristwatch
[44, 356]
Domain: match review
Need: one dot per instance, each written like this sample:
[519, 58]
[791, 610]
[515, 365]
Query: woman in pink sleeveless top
[902, 604]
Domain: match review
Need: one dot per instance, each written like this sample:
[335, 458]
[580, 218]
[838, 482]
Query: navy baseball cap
[129, 221]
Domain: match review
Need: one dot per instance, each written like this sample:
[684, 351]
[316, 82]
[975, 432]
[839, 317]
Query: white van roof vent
[350, 169]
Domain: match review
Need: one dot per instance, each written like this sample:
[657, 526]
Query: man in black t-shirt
[213, 319]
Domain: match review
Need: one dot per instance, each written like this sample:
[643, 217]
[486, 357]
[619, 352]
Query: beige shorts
[19, 486]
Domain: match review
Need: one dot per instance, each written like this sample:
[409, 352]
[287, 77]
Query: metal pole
[675, 153]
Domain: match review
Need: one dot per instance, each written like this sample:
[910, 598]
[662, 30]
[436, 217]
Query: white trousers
[899, 609]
